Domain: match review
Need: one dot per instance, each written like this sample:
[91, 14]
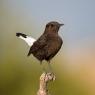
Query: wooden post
[44, 79]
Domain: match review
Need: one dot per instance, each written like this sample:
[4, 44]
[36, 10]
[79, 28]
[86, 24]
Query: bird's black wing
[37, 48]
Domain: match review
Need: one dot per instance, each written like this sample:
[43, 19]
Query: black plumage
[49, 43]
[21, 34]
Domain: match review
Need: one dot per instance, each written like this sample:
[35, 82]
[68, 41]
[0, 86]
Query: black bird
[47, 45]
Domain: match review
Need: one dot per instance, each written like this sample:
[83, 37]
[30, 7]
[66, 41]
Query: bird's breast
[54, 44]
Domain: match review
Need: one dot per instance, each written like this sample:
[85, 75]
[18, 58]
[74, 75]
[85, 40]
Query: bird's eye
[47, 26]
[52, 25]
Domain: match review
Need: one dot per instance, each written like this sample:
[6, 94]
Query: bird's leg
[40, 62]
[49, 67]
[43, 67]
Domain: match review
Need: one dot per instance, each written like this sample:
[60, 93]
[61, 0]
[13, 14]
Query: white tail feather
[28, 40]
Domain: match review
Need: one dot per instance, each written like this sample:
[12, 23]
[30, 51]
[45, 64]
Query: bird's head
[53, 27]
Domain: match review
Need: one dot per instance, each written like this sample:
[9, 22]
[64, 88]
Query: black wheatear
[47, 45]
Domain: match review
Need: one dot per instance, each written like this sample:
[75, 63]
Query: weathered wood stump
[44, 79]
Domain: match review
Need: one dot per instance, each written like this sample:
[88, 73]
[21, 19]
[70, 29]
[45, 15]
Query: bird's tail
[27, 39]
[21, 34]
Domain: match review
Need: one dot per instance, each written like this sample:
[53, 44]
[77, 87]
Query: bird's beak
[61, 24]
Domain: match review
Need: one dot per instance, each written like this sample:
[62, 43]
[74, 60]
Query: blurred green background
[74, 65]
